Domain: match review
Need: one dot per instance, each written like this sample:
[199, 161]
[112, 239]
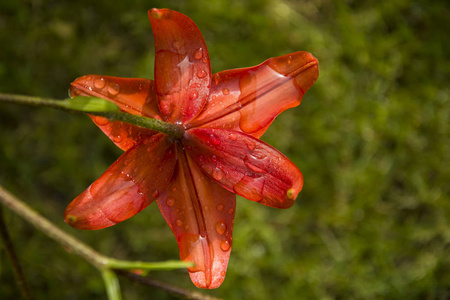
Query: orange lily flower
[194, 177]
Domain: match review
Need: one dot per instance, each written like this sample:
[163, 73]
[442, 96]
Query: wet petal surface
[182, 67]
[200, 213]
[127, 187]
[245, 165]
[133, 95]
[249, 99]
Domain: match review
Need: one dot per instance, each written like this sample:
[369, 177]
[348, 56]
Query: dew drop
[186, 227]
[198, 53]
[117, 139]
[289, 60]
[222, 273]
[250, 188]
[193, 95]
[179, 222]
[249, 161]
[217, 174]
[214, 158]
[225, 245]
[205, 59]
[250, 144]
[214, 139]
[170, 202]
[231, 211]
[100, 121]
[113, 88]
[201, 74]
[220, 207]
[232, 136]
[221, 227]
[225, 91]
[99, 83]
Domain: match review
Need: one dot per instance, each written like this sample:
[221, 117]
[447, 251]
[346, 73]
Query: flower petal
[127, 187]
[200, 213]
[245, 165]
[124, 135]
[182, 67]
[249, 99]
[135, 96]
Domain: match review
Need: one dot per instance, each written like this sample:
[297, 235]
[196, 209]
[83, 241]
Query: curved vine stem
[104, 264]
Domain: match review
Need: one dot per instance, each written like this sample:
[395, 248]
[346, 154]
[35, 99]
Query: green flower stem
[111, 284]
[98, 107]
[132, 265]
[76, 246]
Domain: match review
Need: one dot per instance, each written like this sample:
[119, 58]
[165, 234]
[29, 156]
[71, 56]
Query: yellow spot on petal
[71, 219]
[291, 194]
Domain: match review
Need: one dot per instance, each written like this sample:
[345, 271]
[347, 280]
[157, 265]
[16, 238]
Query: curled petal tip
[155, 13]
[302, 66]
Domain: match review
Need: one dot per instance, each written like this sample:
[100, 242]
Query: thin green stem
[111, 284]
[75, 245]
[132, 265]
[98, 107]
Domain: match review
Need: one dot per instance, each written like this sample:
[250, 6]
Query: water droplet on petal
[155, 194]
[250, 188]
[221, 227]
[193, 95]
[198, 53]
[225, 245]
[186, 227]
[217, 174]
[170, 202]
[117, 139]
[99, 83]
[113, 88]
[250, 144]
[100, 121]
[214, 139]
[232, 136]
[179, 222]
[289, 60]
[225, 91]
[201, 74]
[222, 273]
[220, 207]
[214, 158]
[250, 161]
[231, 211]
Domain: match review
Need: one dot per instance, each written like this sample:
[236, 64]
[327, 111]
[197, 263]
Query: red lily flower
[194, 178]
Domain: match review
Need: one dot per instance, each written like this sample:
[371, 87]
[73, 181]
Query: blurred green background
[371, 137]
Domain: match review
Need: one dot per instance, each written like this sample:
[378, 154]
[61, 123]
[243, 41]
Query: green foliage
[371, 138]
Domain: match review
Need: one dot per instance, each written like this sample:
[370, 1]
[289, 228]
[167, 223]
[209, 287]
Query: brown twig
[186, 294]
[17, 270]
